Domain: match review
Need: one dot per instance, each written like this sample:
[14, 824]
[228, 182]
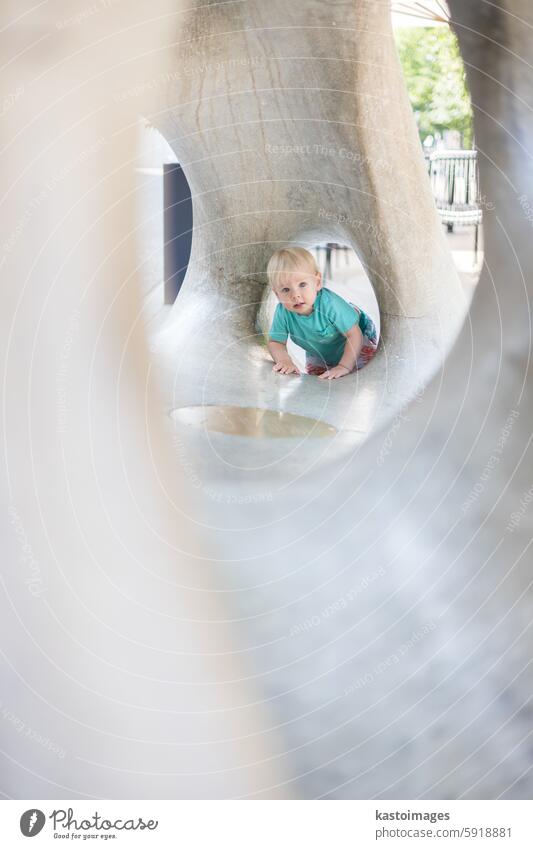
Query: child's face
[298, 291]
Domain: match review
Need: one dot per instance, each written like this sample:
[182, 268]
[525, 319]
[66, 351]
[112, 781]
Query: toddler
[338, 338]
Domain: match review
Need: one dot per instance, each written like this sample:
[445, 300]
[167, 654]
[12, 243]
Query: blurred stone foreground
[188, 614]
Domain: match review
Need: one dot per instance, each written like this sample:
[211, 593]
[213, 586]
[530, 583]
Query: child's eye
[303, 283]
[285, 290]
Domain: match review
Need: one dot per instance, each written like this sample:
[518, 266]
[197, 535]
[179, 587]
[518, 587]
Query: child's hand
[286, 367]
[334, 373]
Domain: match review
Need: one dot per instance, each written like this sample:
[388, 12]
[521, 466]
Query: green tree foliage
[435, 78]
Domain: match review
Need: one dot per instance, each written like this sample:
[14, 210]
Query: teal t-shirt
[321, 332]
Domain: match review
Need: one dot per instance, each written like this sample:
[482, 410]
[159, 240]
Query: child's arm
[280, 355]
[352, 349]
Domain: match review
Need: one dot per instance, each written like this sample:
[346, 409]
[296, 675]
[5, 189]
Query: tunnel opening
[342, 273]
[351, 202]
[436, 83]
[165, 219]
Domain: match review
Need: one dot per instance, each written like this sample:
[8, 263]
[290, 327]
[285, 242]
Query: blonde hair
[287, 260]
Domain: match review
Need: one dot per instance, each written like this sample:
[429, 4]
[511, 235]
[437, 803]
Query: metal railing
[329, 253]
[455, 185]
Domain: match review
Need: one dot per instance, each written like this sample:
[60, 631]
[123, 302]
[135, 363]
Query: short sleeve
[279, 330]
[339, 312]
